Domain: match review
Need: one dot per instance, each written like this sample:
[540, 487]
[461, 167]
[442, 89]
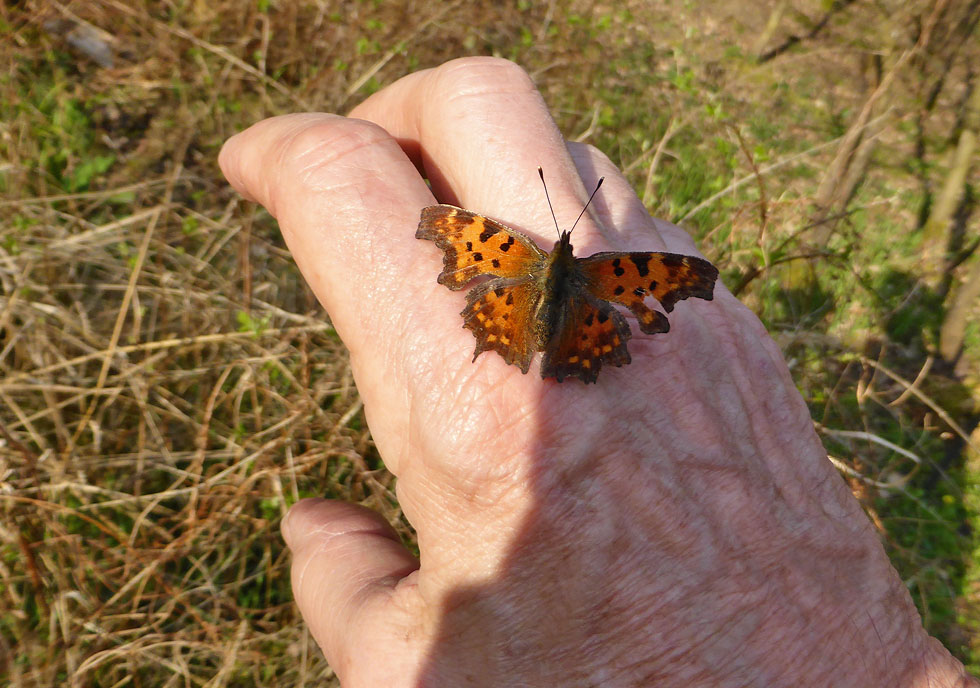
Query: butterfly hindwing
[628, 278]
[589, 333]
[499, 313]
[474, 245]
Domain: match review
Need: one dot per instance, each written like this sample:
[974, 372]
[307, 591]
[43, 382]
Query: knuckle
[321, 145]
[480, 76]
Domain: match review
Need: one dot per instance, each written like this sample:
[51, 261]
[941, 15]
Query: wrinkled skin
[676, 524]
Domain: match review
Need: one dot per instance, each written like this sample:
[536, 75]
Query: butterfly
[555, 302]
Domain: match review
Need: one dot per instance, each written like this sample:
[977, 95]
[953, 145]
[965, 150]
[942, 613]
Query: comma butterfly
[555, 302]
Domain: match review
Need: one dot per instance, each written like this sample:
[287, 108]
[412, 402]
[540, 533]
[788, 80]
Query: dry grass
[168, 386]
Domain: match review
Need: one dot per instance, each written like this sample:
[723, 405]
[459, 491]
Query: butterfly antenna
[587, 203]
[551, 207]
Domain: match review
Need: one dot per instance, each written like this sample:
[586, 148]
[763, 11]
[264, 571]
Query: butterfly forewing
[499, 314]
[589, 333]
[474, 245]
[628, 278]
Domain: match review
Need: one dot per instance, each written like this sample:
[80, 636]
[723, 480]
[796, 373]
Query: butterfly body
[555, 302]
[556, 280]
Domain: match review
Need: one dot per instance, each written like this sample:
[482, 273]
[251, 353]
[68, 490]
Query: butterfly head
[564, 243]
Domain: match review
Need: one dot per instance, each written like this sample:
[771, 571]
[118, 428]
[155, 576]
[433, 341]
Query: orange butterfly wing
[500, 315]
[628, 278]
[474, 245]
[588, 333]
[499, 312]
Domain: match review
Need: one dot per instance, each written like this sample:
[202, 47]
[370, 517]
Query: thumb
[347, 566]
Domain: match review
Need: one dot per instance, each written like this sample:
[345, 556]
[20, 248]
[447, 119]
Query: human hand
[677, 523]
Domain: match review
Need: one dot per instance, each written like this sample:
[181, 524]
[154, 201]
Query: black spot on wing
[488, 232]
[641, 261]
